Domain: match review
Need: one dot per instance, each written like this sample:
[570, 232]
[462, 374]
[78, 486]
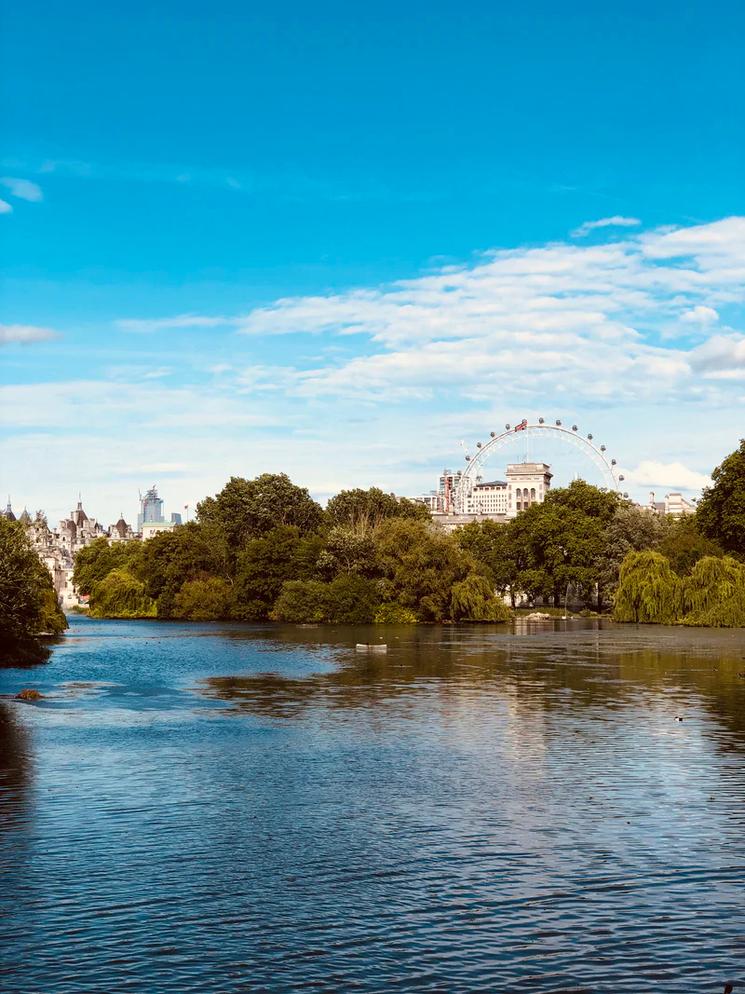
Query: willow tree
[714, 593]
[473, 600]
[121, 595]
[649, 591]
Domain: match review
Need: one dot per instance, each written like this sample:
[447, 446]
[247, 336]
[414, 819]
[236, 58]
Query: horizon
[337, 243]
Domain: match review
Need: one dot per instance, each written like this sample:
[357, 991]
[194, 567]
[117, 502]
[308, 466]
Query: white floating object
[371, 647]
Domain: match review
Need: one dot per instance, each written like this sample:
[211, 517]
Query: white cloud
[13, 334]
[700, 315]
[671, 475]
[720, 354]
[24, 189]
[5, 207]
[617, 221]
[165, 324]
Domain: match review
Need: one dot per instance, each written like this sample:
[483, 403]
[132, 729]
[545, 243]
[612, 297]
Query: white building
[674, 504]
[499, 500]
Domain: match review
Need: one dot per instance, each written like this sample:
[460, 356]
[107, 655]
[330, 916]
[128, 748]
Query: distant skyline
[336, 241]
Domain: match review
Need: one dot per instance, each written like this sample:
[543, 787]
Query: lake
[551, 807]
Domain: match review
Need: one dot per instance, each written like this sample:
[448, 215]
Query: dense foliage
[263, 550]
[721, 511]
[28, 603]
[712, 594]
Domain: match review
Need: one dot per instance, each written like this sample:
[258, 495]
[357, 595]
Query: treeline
[28, 602]
[264, 550]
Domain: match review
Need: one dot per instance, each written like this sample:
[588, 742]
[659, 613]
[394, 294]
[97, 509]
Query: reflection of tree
[14, 768]
[459, 667]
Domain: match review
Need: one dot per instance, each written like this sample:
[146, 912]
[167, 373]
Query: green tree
[491, 545]
[302, 601]
[246, 509]
[683, 544]
[348, 550]
[420, 564]
[170, 559]
[347, 600]
[473, 599]
[352, 600]
[391, 613]
[266, 563]
[649, 590]
[714, 593]
[28, 603]
[121, 595]
[207, 599]
[363, 510]
[98, 559]
[721, 510]
[631, 529]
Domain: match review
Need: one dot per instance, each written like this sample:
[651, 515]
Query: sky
[338, 240]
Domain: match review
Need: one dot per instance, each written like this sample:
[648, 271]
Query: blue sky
[336, 240]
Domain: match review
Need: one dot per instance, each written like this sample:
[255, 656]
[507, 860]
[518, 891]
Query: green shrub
[202, 600]
[391, 613]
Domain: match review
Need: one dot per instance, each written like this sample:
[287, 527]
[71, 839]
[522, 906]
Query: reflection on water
[226, 808]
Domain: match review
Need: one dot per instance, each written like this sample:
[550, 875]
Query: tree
[302, 601]
[121, 595]
[491, 545]
[169, 559]
[266, 563]
[28, 603]
[206, 599]
[347, 550]
[473, 600]
[363, 510]
[347, 600]
[683, 544]
[419, 565]
[391, 613]
[714, 593]
[631, 529]
[246, 509]
[721, 510]
[649, 590]
[98, 559]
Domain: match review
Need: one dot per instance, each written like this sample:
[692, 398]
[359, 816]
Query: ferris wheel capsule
[540, 421]
[590, 437]
[493, 434]
[625, 494]
[558, 421]
[602, 448]
[574, 427]
[478, 445]
[507, 427]
[621, 478]
[613, 462]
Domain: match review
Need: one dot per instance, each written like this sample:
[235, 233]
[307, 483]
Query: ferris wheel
[530, 433]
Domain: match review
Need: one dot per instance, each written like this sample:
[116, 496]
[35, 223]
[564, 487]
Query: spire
[8, 512]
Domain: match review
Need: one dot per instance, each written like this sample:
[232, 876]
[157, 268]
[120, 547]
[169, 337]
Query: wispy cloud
[5, 207]
[23, 189]
[14, 334]
[146, 325]
[617, 221]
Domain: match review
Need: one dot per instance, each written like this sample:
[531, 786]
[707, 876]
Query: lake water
[217, 808]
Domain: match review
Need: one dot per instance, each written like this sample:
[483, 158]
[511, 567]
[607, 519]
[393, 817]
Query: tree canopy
[721, 510]
[28, 603]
